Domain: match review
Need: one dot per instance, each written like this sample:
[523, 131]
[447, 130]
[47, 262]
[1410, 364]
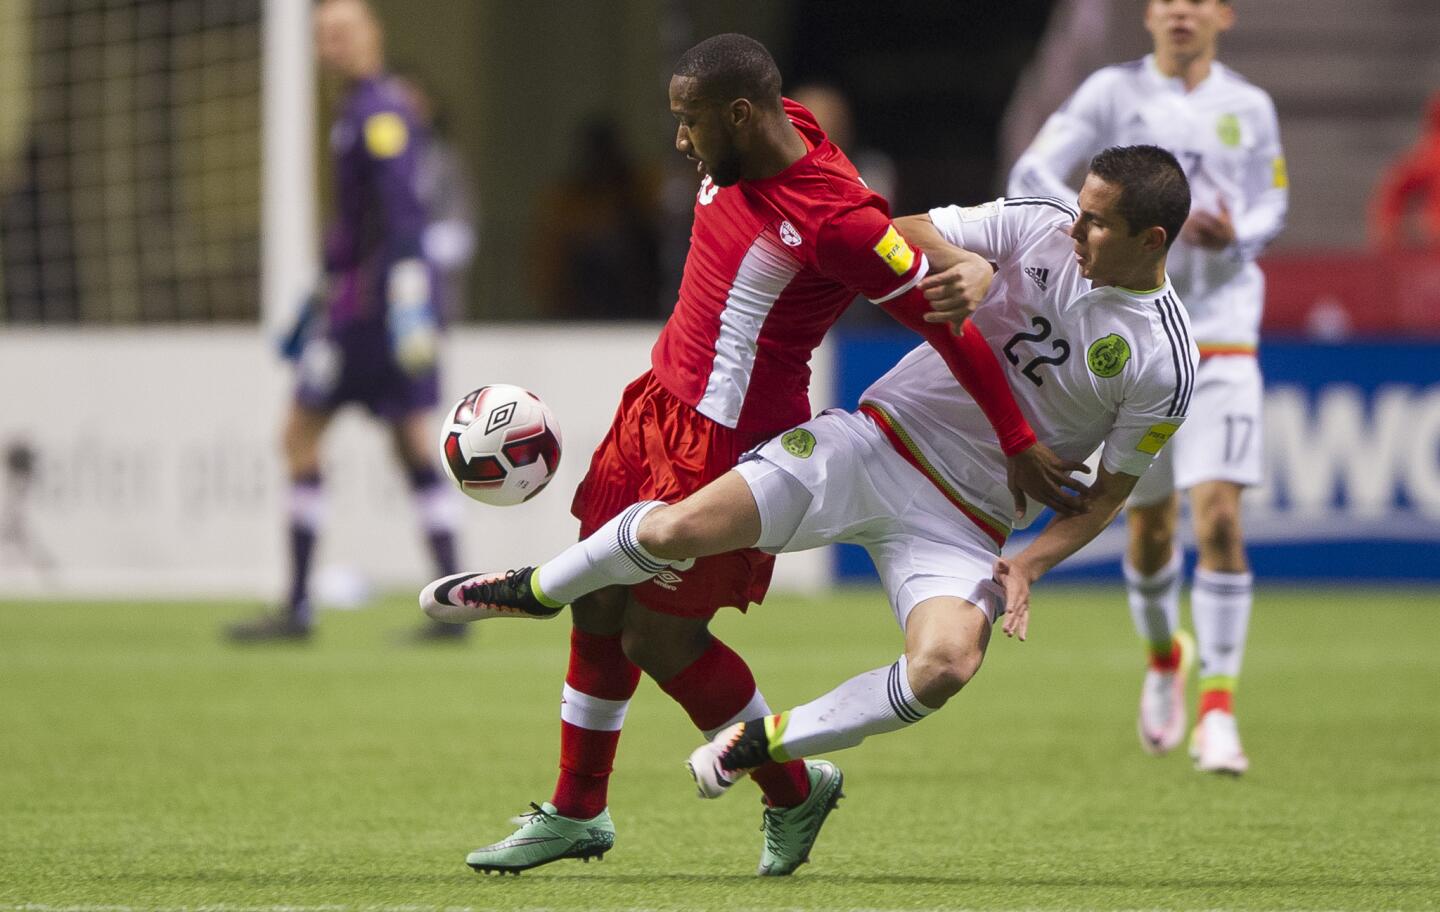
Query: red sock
[1222, 700]
[598, 687]
[714, 690]
[1170, 661]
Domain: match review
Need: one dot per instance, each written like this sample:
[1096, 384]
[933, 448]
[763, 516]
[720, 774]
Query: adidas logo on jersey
[1039, 276]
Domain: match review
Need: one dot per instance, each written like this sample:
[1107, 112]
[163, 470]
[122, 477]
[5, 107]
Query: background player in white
[1223, 130]
[1096, 348]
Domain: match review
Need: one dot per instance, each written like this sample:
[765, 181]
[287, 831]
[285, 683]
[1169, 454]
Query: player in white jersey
[1223, 130]
[1097, 350]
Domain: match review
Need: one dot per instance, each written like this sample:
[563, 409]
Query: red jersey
[772, 265]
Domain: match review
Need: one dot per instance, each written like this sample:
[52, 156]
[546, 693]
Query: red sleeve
[1404, 179]
[861, 249]
[973, 363]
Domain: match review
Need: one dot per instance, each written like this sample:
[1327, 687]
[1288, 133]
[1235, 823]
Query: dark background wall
[929, 81]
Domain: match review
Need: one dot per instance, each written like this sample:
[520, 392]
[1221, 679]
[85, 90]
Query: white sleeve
[997, 228]
[1155, 406]
[1069, 138]
[981, 229]
[1265, 189]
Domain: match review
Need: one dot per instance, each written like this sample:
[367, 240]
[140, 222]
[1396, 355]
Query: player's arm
[394, 162]
[1153, 408]
[1076, 131]
[1403, 180]
[1061, 538]
[863, 249]
[1266, 187]
[958, 279]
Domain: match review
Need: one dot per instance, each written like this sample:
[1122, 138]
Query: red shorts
[659, 448]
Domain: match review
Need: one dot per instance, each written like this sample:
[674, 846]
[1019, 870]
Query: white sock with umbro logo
[613, 556]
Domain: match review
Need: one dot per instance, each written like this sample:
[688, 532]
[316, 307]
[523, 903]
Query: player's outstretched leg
[545, 836]
[612, 556]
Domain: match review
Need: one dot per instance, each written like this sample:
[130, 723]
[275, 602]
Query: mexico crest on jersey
[799, 443]
[1107, 356]
[1228, 129]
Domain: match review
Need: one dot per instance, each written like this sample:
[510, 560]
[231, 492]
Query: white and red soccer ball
[500, 445]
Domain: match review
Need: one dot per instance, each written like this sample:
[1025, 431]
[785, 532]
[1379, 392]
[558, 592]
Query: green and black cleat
[545, 836]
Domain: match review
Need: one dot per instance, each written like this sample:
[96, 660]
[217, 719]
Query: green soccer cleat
[545, 836]
[790, 832]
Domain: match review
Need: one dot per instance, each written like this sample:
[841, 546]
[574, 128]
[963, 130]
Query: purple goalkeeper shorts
[355, 363]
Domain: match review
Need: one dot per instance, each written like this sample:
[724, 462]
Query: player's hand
[956, 291]
[307, 317]
[1017, 599]
[1213, 231]
[416, 347]
[414, 333]
[1044, 477]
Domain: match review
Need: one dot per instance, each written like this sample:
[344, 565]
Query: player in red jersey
[785, 234]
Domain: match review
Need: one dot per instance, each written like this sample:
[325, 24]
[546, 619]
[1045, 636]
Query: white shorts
[1220, 440]
[836, 478]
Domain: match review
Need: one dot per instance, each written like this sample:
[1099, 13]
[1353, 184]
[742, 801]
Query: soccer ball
[500, 444]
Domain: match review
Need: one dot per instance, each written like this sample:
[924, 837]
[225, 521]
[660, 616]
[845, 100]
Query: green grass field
[145, 765]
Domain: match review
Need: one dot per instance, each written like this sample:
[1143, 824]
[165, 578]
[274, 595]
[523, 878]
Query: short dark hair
[1153, 188]
[732, 66]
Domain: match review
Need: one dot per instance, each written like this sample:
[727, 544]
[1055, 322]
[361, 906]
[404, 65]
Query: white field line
[340, 907]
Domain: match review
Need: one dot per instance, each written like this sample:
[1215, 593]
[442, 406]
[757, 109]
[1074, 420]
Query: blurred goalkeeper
[371, 336]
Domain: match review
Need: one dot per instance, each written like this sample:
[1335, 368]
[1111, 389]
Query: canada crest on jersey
[706, 196]
[789, 235]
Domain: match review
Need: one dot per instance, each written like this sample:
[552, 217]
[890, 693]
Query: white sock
[1155, 602]
[873, 703]
[1220, 604]
[306, 504]
[438, 506]
[612, 556]
[584, 711]
[757, 708]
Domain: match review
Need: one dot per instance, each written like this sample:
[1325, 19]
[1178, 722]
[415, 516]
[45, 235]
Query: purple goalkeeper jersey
[377, 145]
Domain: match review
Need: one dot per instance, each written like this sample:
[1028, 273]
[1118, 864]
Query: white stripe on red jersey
[763, 276]
[772, 265]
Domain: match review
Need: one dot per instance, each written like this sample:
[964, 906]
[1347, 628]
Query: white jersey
[1086, 365]
[1225, 135]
